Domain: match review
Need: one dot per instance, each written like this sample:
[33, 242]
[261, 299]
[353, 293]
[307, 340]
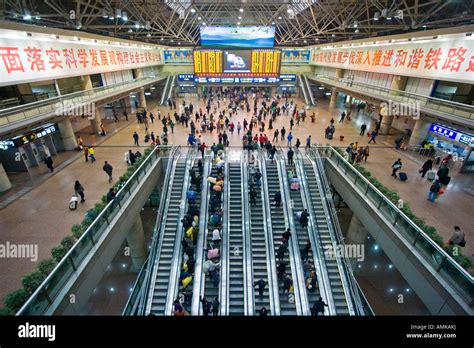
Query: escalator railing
[165, 90]
[171, 86]
[302, 304]
[303, 89]
[316, 247]
[177, 254]
[351, 288]
[308, 89]
[153, 257]
[271, 262]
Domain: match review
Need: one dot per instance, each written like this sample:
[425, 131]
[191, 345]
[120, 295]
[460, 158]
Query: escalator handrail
[269, 242]
[310, 93]
[350, 289]
[225, 253]
[301, 298]
[153, 257]
[303, 87]
[177, 255]
[170, 89]
[162, 101]
[249, 303]
[318, 253]
[203, 218]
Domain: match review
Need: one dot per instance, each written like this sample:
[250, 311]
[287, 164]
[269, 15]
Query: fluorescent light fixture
[193, 10]
[161, 39]
[203, 23]
[333, 35]
[240, 17]
[124, 16]
[305, 41]
[148, 35]
[111, 18]
[38, 18]
[238, 23]
[26, 17]
[241, 10]
[389, 18]
[118, 13]
[279, 17]
[130, 30]
[356, 31]
[137, 25]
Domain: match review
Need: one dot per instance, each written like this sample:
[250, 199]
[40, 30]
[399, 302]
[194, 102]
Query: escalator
[308, 89]
[166, 246]
[236, 283]
[278, 227]
[333, 269]
[166, 89]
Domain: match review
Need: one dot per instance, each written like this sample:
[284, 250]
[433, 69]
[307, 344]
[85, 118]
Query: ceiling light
[317, 39]
[305, 41]
[124, 16]
[240, 17]
[137, 25]
[104, 15]
[273, 23]
[238, 23]
[172, 40]
[38, 18]
[199, 18]
[357, 30]
[130, 30]
[203, 23]
[279, 17]
[424, 26]
[289, 10]
[26, 17]
[333, 35]
[161, 39]
[356, 24]
[118, 13]
[391, 289]
[111, 18]
[241, 10]
[407, 290]
[148, 35]
[193, 10]
[179, 43]
[389, 18]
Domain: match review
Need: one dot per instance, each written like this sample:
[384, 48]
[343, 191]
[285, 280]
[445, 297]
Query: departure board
[266, 62]
[237, 63]
[207, 61]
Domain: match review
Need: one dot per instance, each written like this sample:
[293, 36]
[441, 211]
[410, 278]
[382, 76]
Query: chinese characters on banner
[29, 60]
[436, 59]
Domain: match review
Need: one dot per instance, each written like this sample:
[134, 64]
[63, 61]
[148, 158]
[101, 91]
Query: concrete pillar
[86, 82]
[332, 102]
[398, 83]
[356, 234]
[141, 98]
[387, 120]
[67, 134]
[136, 243]
[339, 73]
[24, 88]
[95, 122]
[138, 73]
[5, 183]
[420, 131]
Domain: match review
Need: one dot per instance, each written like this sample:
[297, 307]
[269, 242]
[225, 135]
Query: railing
[434, 104]
[224, 290]
[163, 97]
[434, 256]
[49, 105]
[350, 285]
[133, 301]
[53, 286]
[153, 257]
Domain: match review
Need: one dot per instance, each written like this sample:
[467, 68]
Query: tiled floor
[42, 216]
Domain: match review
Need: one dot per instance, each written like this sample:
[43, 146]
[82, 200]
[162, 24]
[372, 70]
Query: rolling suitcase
[403, 176]
[73, 202]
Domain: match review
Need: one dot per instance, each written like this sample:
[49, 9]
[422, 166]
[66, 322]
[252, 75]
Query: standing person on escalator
[261, 286]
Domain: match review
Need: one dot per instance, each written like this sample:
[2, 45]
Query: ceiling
[297, 22]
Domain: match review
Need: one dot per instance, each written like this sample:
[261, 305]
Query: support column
[5, 183]
[398, 84]
[67, 134]
[95, 122]
[136, 243]
[86, 82]
[339, 73]
[387, 120]
[141, 98]
[419, 132]
[356, 234]
[332, 102]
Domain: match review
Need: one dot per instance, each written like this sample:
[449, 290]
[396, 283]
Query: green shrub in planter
[16, 299]
[58, 252]
[77, 231]
[5, 312]
[32, 280]
[91, 214]
[86, 223]
[68, 242]
[46, 266]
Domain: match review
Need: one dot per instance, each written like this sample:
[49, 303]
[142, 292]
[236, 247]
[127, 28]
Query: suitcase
[295, 186]
[403, 176]
[431, 175]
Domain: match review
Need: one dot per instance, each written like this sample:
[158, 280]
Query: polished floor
[41, 216]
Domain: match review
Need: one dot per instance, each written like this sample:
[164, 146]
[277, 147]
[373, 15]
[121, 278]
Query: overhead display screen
[237, 63]
[238, 37]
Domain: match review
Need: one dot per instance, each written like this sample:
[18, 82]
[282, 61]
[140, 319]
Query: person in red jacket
[203, 148]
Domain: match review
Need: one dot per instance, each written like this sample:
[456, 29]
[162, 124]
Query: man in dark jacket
[277, 198]
[108, 169]
[261, 286]
[290, 156]
[304, 218]
[318, 307]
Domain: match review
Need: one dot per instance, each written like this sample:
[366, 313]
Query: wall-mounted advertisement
[178, 56]
[443, 59]
[237, 61]
[289, 57]
[238, 37]
[26, 59]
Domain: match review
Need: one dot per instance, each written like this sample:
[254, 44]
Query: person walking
[108, 169]
[285, 236]
[273, 152]
[281, 251]
[48, 160]
[365, 153]
[290, 138]
[152, 118]
[290, 156]
[298, 143]
[304, 218]
[92, 154]
[277, 198]
[434, 191]
[286, 284]
[215, 307]
[343, 115]
[318, 307]
[373, 135]
[261, 286]
[79, 190]
[308, 142]
[396, 166]
[291, 123]
[125, 115]
[253, 196]
[283, 132]
[275, 135]
[427, 166]
[362, 129]
[86, 153]
[135, 138]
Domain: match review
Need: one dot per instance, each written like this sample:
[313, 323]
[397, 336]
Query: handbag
[462, 243]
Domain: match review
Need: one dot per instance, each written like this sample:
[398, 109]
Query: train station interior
[236, 158]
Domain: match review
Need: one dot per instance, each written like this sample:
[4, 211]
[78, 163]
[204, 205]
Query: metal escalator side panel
[225, 271]
[271, 263]
[176, 263]
[313, 230]
[249, 304]
[159, 227]
[302, 306]
[162, 101]
[329, 212]
[203, 217]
